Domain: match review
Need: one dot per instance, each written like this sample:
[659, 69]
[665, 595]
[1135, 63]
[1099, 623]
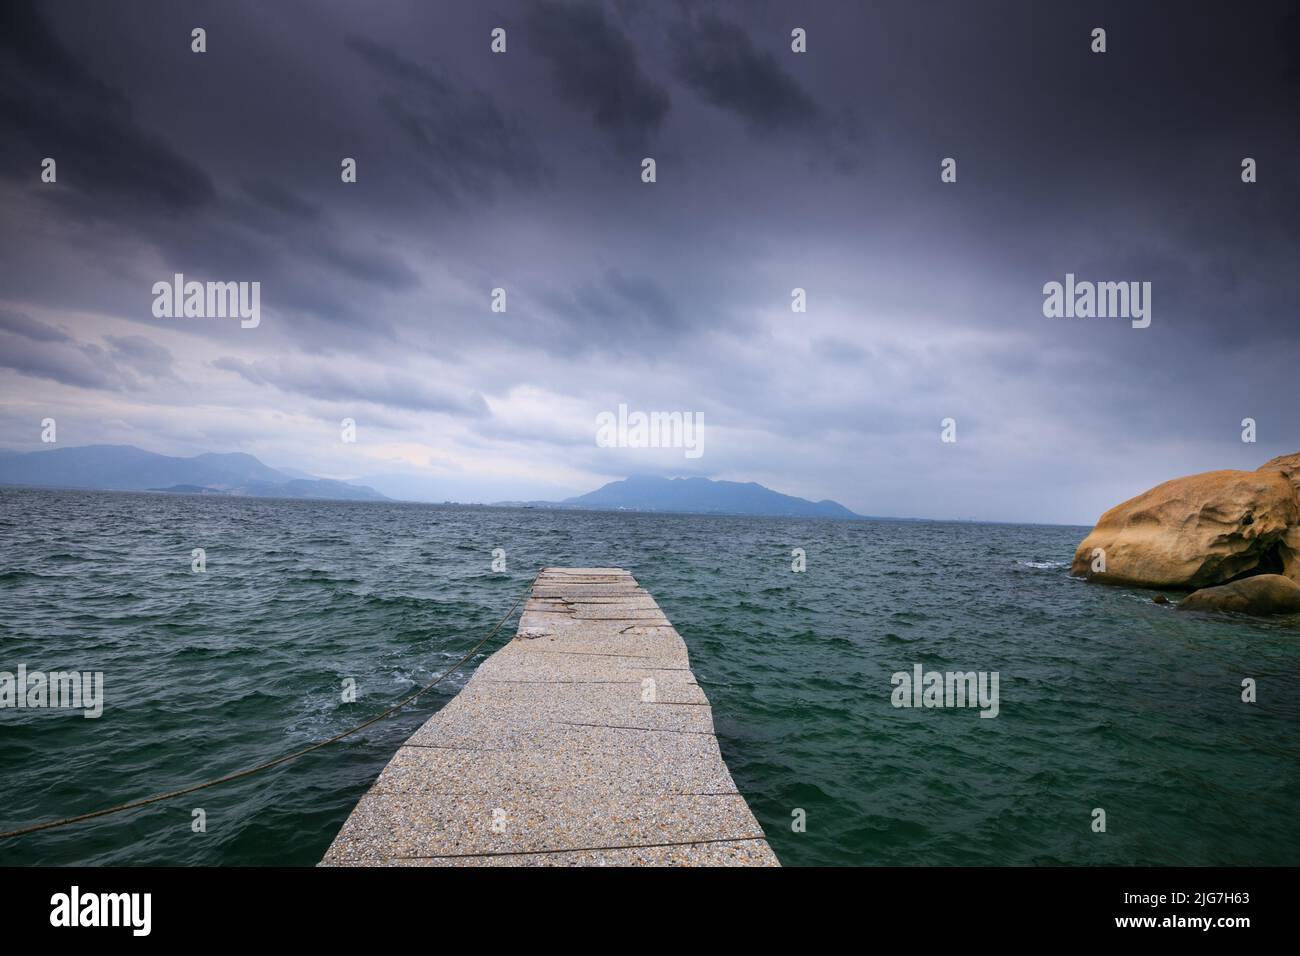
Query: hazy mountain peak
[703, 495]
[128, 468]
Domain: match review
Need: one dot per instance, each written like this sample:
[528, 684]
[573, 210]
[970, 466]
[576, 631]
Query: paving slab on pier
[585, 741]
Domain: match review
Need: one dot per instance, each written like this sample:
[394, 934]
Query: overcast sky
[775, 170]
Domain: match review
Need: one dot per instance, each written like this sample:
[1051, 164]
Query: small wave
[19, 574]
[1043, 565]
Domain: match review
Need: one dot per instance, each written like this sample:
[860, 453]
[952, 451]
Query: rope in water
[158, 798]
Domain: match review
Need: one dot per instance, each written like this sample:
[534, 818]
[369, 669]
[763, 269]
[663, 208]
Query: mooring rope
[248, 772]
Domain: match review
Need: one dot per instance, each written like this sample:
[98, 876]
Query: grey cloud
[618, 312]
[310, 233]
[718, 60]
[840, 351]
[49, 99]
[323, 285]
[38, 351]
[365, 265]
[465, 143]
[597, 69]
[69, 366]
[644, 297]
[335, 382]
[283, 200]
[141, 355]
[19, 323]
[247, 371]
[112, 169]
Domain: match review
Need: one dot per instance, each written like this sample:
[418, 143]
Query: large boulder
[1201, 530]
[1260, 594]
[1288, 465]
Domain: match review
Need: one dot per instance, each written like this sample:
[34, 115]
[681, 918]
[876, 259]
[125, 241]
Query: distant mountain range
[127, 468]
[696, 496]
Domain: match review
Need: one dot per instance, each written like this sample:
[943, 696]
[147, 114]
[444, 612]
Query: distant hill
[697, 496]
[321, 488]
[127, 468]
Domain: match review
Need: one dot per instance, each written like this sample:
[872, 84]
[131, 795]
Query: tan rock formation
[1260, 594]
[1200, 531]
[1289, 465]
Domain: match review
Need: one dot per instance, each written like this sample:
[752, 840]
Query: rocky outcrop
[1288, 465]
[1261, 594]
[1201, 531]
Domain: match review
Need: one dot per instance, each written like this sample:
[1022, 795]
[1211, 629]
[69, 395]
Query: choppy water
[1107, 700]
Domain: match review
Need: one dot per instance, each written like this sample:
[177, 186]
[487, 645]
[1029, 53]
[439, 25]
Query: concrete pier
[585, 741]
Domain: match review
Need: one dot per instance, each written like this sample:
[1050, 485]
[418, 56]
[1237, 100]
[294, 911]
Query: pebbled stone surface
[585, 741]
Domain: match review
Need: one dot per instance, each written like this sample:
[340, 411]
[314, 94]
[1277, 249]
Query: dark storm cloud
[479, 170]
[86, 126]
[295, 235]
[596, 68]
[118, 171]
[324, 288]
[303, 231]
[718, 60]
[1287, 42]
[464, 142]
[283, 200]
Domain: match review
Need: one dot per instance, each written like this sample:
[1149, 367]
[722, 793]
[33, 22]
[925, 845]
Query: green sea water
[1106, 699]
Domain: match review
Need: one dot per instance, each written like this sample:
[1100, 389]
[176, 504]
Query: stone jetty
[585, 741]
